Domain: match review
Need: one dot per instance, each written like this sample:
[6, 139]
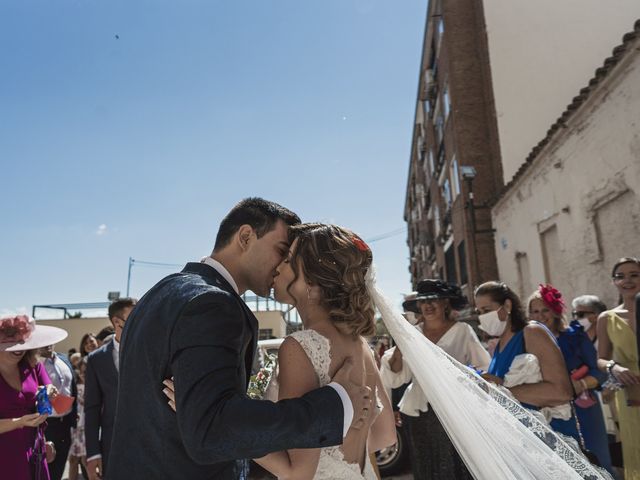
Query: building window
[551, 253]
[462, 260]
[436, 220]
[446, 101]
[455, 178]
[426, 166]
[439, 125]
[524, 274]
[450, 264]
[446, 193]
[265, 334]
[427, 108]
[432, 166]
[439, 32]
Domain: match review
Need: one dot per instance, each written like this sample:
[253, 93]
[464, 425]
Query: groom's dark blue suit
[192, 325]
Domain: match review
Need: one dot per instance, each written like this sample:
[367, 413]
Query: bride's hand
[169, 391]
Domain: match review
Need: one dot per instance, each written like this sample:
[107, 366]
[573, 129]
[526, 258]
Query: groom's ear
[244, 236]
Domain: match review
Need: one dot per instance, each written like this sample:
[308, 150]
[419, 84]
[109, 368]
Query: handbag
[586, 399]
[39, 454]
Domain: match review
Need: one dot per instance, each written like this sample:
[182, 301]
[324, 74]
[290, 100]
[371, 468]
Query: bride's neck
[313, 316]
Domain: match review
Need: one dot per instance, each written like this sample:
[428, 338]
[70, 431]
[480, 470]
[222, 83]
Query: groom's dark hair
[262, 215]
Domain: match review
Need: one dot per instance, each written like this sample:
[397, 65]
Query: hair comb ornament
[360, 244]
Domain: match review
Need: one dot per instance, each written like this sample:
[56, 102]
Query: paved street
[259, 474]
[264, 476]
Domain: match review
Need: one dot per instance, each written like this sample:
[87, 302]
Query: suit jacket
[193, 326]
[100, 397]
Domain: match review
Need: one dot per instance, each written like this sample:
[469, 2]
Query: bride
[323, 276]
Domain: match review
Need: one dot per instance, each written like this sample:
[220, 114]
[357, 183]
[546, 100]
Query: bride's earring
[309, 293]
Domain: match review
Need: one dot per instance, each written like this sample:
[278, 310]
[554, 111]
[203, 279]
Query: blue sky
[129, 128]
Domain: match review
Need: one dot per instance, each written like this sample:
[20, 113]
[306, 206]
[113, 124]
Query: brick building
[455, 128]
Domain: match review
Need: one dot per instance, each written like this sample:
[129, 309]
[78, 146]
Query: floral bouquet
[259, 382]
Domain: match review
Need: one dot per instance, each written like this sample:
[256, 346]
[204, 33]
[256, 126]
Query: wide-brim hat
[20, 332]
[410, 303]
[434, 289]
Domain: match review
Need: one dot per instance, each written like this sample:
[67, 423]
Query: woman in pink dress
[20, 377]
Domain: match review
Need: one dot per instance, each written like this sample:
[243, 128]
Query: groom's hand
[361, 396]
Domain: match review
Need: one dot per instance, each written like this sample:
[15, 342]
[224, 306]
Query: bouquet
[259, 382]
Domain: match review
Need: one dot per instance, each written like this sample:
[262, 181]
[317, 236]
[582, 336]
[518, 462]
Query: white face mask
[490, 322]
[585, 322]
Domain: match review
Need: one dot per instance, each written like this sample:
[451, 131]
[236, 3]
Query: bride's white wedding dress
[332, 465]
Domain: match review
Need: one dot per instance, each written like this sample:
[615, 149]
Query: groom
[194, 326]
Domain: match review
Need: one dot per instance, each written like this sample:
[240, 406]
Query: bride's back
[327, 349]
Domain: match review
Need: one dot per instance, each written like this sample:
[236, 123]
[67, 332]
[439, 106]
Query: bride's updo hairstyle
[336, 260]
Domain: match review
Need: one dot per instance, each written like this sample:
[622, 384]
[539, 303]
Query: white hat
[20, 332]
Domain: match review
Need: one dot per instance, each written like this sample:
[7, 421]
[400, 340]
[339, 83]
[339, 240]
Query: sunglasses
[583, 314]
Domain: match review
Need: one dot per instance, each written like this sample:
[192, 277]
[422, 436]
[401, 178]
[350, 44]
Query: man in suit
[101, 390]
[194, 326]
[59, 424]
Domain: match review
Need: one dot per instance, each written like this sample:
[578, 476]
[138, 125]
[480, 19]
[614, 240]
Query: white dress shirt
[340, 390]
[116, 354]
[61, 377]
[460, 341]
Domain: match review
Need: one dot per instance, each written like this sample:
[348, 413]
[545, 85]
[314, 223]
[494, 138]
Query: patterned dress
[578, 350]
[78, 448]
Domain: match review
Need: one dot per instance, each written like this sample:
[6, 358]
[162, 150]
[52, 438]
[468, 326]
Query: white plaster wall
[594, 159]
[542, 53]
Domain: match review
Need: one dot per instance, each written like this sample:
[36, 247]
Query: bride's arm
[383, 430]
[296, 377]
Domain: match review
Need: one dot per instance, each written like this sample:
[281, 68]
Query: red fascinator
[552, 298]
[360, 244]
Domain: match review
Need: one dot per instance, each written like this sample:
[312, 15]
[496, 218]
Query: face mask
[585, 322]
[490, 323]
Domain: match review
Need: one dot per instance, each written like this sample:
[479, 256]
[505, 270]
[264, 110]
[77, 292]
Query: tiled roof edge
[600, 74]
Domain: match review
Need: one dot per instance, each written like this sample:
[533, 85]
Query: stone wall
[576, 208]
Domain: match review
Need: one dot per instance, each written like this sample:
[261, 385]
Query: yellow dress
[625, 352]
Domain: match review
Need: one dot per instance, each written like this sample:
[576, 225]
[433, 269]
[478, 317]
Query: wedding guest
[618, 356]
[410, 308]
[78, 451]
[546, 306]
[75, 359]
[433, 455]
[88, 344]
[585, 310]
[105, 335]
[20, 376]
[501, 315]
[59, 424]
[101, 392]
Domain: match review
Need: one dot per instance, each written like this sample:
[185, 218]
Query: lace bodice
[332, 465]
[318, 349]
